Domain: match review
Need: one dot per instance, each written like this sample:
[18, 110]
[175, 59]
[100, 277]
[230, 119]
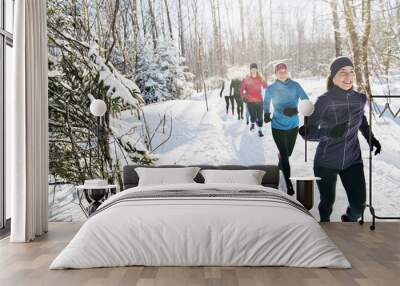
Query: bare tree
[168, 19]
[221, 56]
[359, 40]
[154, 30]
[243, 39]
[135, 30]
[232, 44]
[336, 28]
[181, 31]
[262, 33]
[366, 17]
[354, 40]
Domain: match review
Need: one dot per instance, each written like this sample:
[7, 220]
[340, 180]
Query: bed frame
[270, 179]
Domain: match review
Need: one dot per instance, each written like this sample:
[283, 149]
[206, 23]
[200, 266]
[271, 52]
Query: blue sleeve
[300, 92]
[267, 99]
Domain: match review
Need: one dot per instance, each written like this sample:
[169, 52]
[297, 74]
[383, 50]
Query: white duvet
[200, 231]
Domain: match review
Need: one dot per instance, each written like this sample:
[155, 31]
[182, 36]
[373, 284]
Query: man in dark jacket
[338, 116]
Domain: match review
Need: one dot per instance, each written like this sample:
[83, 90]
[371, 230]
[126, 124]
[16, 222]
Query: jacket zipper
[345, 137]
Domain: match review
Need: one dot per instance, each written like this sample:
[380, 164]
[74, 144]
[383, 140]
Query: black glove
[267, 117]
[302, 131]
[375, 143]
[338, 130]
[290, 111]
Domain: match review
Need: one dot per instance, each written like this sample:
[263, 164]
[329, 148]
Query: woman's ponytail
[329, 83]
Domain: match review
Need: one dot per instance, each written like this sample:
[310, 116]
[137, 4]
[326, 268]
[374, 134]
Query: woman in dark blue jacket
[337, 118]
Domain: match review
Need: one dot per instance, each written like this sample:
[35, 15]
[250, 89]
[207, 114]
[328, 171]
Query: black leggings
[256, 112]
[239, 104]
[285, 141]
[353, 181]
[232, 100]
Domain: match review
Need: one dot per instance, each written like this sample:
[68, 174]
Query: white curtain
[27, 120]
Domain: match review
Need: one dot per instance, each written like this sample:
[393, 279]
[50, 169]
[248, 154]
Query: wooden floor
[374, 255]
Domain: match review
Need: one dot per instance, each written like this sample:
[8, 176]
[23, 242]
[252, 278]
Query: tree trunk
[215, 36]
[85, 19]
[98, 27]
[135, 29]
[154, 30]
[143, 17]
[168, 20]
[336, 28]
[364, 43]
[181, 34]
[243, 39]
[262, 36]
[300, 23]
[354, 42]
[113, 30]
[359, 44]
[221, 55]
[270, 31]
[232, 44]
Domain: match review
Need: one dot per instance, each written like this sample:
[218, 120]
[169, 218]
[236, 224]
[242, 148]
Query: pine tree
[149, 77]
[162, 75]
[178, 79]
[77, 74]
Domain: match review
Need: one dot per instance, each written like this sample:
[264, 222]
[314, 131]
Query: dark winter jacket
[335, 107]
[235, 87]
[252, 89]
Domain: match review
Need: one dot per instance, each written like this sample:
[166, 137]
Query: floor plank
[374, 255]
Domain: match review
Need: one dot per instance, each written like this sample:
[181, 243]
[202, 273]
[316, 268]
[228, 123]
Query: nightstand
[305, 190]
[94, 195]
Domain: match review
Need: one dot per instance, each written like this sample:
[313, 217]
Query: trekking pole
[305, 138]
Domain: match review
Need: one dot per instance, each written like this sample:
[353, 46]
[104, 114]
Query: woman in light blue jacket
[284, 94]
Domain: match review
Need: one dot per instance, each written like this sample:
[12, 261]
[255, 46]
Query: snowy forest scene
[172, 74]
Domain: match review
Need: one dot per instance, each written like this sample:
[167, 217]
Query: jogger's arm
[267, 100]
[364, 129]
[222, 89]
[300, 92]
[314, 133]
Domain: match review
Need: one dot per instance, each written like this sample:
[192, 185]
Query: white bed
[185, 230]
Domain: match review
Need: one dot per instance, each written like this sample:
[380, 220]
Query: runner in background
[251, 91]
[235, 93]
[226, 92]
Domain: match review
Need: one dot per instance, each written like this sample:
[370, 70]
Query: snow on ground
[214, 137]
[63, 204]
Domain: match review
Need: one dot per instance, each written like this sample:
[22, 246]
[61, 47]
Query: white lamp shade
[306, 107]
[98, 107]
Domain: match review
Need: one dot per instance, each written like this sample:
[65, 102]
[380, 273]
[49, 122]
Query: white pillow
[166, 176]
[247, 177]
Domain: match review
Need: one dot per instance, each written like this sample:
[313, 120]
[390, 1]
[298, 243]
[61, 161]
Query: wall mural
[220, 82]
